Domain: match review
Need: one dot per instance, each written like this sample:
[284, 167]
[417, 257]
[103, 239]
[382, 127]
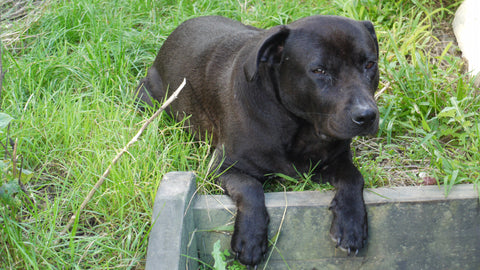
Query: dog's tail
[150, 89]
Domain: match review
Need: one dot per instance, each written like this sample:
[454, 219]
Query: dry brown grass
[18, 12]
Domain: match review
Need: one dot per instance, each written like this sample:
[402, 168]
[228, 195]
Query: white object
[466, 26]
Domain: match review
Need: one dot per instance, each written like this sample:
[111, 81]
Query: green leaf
[286, 177]
[8, 191]
[447, 112]
[467, 124]
[4, 164]
[5, 119]
[220, 263]
[222, 228]
[26, 176]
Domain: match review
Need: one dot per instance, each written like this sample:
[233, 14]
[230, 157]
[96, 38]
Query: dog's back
[195, 51]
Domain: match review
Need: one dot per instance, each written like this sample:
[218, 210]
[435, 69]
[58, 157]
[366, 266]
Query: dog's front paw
[349, 227]
[250, 239]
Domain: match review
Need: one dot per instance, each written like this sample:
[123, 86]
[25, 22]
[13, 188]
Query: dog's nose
[364, 116]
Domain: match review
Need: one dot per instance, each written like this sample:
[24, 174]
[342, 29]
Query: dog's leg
[349, 227]
[249, 240]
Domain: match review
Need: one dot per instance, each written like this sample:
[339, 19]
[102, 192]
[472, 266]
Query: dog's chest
[307, 150]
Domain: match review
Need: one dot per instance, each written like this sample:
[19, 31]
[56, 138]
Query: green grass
[72, 67]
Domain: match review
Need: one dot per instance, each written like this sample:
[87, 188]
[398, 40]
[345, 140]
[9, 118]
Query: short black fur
[276, 101]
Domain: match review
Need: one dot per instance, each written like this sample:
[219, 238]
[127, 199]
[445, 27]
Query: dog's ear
[371, 30]
[269, 49]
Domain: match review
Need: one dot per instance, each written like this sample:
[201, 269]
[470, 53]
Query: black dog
[281, 100]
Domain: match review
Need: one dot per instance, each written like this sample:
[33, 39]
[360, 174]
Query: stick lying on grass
[1, 71]
[134, 139]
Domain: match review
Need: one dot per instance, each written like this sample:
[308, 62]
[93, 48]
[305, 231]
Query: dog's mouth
[325, 137]
[331, 129]
[325, 134]
[372, 130]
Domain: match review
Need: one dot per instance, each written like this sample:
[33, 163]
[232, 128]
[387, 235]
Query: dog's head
[325, 71]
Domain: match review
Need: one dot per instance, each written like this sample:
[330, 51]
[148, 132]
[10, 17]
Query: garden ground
[70, 71]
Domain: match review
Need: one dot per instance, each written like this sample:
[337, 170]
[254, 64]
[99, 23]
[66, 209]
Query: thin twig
[14, 158]
[28, 196]
[377, 95]
[132, 141]
[1, 74]
[7, 153]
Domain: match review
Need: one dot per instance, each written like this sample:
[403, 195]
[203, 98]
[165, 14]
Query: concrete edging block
[172, 221]
[409, 228]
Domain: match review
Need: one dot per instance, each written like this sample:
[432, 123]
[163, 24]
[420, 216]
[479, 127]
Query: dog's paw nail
[349, 251]
[356, 252]
[338, 242]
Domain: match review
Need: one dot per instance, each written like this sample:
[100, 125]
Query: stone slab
[409, 228]
[169, 246]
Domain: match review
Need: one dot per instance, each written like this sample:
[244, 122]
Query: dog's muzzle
[365, 118]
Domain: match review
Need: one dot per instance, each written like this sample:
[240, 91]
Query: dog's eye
[319, 71]
[370, 65]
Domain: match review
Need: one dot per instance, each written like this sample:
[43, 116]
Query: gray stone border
[172, 222]
[409, 228]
